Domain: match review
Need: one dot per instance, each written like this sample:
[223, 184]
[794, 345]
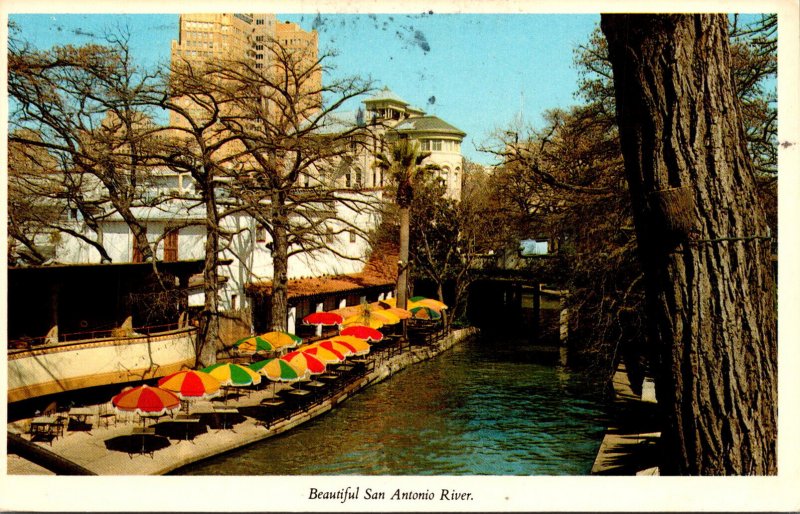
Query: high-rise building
[203, 37]
[252, 37]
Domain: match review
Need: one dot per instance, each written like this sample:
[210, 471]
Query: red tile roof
[380, 270]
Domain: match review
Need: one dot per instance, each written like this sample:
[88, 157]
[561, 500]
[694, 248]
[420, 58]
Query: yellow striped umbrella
[278, 370]
[230, 374]
[305, 362]
[326, 355]
[374, 318]
[359, 346]
[421, 301]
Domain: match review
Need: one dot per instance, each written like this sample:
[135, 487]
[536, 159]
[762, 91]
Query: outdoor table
[329, 377]
[300, 393]
[187, 422]
[225, 411]
[272, 407]
[315, 385]
[80, 413]
[155, 417]
[344, 368]
[44, 426]
[143, 432]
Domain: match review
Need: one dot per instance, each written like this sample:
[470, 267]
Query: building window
[234, 301]
[352, 236]
[436, 145]
[261, 235]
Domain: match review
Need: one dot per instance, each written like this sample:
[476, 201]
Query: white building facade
[176, 228]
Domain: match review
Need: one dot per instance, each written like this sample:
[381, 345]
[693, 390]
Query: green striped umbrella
[424, 313]
[277, 370]
[230, 374]
[254, 344]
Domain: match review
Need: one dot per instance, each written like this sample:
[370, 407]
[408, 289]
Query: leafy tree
[703, 241]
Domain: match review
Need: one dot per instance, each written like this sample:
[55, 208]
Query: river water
[485, 407]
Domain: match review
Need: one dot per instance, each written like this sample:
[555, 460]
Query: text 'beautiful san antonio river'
[485, 407]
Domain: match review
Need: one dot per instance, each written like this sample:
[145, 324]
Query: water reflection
[484, 407]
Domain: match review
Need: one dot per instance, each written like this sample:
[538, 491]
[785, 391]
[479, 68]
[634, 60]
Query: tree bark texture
[703, 242]
[402, 272]
[209, 319]
[280, 268]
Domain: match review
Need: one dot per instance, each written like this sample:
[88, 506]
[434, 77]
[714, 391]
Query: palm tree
[404, 163]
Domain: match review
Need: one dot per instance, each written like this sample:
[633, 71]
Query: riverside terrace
[110, 443]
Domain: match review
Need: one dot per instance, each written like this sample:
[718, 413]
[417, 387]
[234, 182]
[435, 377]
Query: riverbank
[91, 449]
[629, 446]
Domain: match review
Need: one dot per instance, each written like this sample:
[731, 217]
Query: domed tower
[393, 117]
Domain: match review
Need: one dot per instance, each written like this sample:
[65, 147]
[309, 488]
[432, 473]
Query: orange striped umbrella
[190, 384]
[305, 362]
[146, 400]
[326, 355]
[357, 346]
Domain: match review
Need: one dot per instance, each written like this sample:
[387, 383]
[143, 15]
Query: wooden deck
[630, 446]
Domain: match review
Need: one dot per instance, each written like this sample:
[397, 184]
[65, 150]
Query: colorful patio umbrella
[392, 303]
[357, 346]
[190, 384]
[362, 332]
[384, 307]
[359, 320]
[282, 339]
[305, 362]
[254, 344]
[277, 370]
[374, 318]
[421, 301]
[268, 342]
[145, 399]
[326, 355]
[323, 318]
[425, 313]
[230, 374]
[336, 346]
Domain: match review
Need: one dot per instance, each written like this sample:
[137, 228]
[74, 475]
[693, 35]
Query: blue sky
[475, 71]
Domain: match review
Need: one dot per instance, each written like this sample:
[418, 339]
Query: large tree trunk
[402, 272]
[209, 318]
[280, 266]
[703, 242]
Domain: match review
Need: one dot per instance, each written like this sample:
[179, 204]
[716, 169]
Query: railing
[114, 333]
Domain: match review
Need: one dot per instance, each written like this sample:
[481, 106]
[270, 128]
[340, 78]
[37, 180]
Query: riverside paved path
[630, 446]
[89, 449]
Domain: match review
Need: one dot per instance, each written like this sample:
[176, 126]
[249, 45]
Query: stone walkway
[89, 449]
[630, 446]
